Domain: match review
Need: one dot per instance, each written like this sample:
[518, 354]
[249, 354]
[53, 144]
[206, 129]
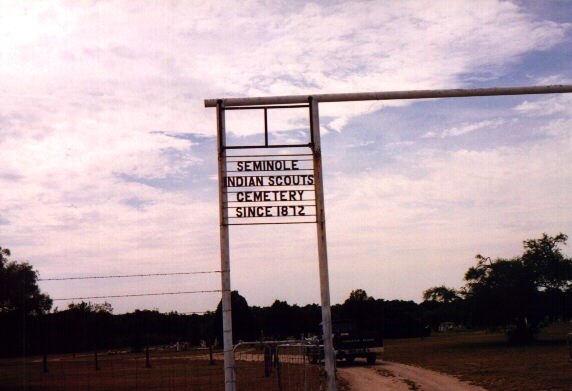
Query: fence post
[267, 361]
[45, 363]
[44, 320]
[96, 361]
[147, 360]
[304, 351]
[278, 370]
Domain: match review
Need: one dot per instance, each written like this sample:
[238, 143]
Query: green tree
[243, 324]
[82, 306]
[441, 294]
[514, 292]
[361, 309]
[442, 304]
[357, 295]
[545, 260]
[19, 291]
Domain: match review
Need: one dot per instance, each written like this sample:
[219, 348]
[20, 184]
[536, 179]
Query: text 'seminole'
[260, 188]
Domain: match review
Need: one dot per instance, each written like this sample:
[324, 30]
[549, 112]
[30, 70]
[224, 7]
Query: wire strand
[126, 276]
[137, 295]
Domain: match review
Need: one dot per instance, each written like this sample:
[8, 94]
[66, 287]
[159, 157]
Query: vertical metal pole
[45, 362]
[44, 321]
[329, 354]
[95, 359]
[278, 370]
[229, 369]
[147, 359]
[265, 127]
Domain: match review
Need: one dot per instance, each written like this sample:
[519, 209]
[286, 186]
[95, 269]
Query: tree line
[518, 295]
[86, 326]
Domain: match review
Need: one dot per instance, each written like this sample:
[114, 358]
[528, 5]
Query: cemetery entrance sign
[271, 184]
[266, 189]
[269, 187]
[287, 187]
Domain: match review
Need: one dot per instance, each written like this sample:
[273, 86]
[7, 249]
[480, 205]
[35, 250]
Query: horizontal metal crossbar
[267, 146]
[277, 155]
[389, 95]
[286, 222]
[289, 160]
[270, 217]
[242, 191]
[271, 206]
[252, 202]
[293, 187]
[253, 172]
[265, 107]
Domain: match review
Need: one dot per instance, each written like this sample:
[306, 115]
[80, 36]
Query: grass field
[482, 358]
[127, 373]
[485, 359]
[168, 372]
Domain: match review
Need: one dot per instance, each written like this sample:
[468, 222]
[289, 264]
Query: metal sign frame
[248, 177]
[320, 221]
[294, 101]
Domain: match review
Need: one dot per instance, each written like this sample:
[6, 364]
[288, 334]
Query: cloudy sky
[108, 161]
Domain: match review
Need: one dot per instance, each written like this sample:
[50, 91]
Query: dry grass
[343, 385]
[485, 359]
[128, 372]
[481, 358]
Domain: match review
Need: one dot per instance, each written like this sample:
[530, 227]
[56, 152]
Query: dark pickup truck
[351, 342]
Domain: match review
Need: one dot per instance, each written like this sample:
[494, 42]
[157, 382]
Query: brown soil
[485, 359]
[390, 376]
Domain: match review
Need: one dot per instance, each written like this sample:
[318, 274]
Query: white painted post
[229, 368]
[329, 354]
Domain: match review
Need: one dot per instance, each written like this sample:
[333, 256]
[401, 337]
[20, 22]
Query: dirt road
[389, 376]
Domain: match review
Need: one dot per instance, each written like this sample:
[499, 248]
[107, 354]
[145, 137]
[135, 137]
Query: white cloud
[429, 134]
[414, 232]
[88, 87]
[547, 106]
[469, 127]
[155, 63]
[361, 144]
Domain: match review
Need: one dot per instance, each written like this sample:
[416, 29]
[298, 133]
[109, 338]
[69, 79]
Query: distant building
[446, 326]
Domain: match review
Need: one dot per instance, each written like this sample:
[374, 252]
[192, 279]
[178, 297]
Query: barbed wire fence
[267, 365]
[159, 368]
[92, 366]
[259, 367]
[293, 365]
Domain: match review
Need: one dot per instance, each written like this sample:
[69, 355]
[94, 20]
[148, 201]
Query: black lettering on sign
[243, 181]
[254, 211]
[270, 195]
[290, 180]
[267, 165]
[270, 211]
[290, 210]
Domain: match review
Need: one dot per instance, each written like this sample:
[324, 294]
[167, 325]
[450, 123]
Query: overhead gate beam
[390, 95]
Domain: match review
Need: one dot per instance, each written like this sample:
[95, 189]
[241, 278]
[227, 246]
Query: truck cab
[351, 342]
